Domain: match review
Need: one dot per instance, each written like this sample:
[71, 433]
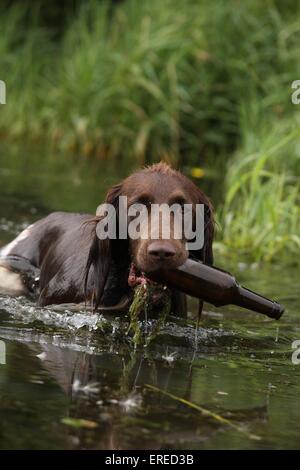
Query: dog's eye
[143, 200]
[180, 202]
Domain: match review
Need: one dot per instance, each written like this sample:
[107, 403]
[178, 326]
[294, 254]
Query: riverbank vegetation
[197, 83]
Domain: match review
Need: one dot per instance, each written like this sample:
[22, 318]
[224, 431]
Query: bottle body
[215, 286]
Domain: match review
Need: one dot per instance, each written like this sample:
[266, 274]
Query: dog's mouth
[138, 278]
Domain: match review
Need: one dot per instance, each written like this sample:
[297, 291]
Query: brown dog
[72, 264]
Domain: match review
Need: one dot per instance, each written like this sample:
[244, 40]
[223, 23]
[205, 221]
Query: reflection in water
[72, 379]
[108, 392]
[88, 389]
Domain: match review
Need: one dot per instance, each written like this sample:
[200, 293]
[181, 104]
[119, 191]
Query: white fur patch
[6, 250]
[10, 282]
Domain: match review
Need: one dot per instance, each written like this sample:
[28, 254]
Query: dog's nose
[161, 250]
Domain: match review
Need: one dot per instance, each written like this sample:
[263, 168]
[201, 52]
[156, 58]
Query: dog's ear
[107, 259]
[113, 194]
[206, 253]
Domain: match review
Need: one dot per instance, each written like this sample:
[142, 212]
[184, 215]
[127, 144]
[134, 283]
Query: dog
[61, 259]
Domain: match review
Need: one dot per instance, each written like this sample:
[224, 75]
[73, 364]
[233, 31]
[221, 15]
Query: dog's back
[45, 253]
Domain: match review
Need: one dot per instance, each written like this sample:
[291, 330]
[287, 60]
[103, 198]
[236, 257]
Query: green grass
[191, 82]
[260, 218]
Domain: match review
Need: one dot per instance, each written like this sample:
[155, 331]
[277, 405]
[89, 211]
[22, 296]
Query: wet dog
[61, 259]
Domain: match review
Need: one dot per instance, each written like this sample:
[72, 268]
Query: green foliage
[261, 214]
[148, 80]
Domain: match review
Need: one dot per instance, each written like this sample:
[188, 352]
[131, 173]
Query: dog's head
[155, 237]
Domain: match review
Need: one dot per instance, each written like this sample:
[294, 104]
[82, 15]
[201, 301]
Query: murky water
[71, 379]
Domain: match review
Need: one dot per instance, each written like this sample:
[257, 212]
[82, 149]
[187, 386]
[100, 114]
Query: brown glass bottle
[215, 286]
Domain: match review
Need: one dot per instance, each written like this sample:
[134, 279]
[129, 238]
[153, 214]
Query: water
[71, 379]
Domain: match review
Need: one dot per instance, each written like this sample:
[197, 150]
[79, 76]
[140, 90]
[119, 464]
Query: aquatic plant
[145, 307]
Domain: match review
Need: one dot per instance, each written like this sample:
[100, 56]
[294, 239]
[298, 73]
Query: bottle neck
[258, 303]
